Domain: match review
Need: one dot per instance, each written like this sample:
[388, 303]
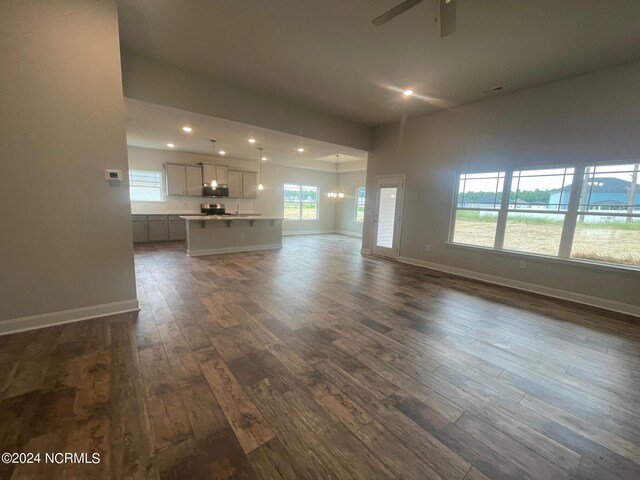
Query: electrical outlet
[523, 264]
[427, 248]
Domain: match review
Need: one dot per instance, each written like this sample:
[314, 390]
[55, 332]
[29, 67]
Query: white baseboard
[529, 287]
[349, 234]
[306, 232]
[248, 248]
[22, 324]
[365, 251]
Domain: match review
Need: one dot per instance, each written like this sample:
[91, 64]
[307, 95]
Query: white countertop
[201, 218]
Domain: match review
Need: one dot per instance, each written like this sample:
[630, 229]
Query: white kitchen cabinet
[184, 180]
[249, 184]
[242, 184]
[214, 172]
[208, 173]
[221, 174]
[176, 180]
[234, 182]
[194, 180]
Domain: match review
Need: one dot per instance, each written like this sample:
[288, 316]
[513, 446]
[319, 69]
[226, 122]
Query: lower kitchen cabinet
[158, 228]
[177, 230]
[140, 232]
[158, 231]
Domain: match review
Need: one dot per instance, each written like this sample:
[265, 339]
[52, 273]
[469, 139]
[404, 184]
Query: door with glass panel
[387, 217]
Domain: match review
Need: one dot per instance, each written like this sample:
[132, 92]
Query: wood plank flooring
[315, 362]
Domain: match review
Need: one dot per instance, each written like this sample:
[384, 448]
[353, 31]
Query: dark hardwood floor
[316, 362]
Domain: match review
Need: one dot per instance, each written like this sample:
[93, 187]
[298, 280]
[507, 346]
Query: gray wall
[162, 84]
[348, 183]
[66, 234]
[589, 118]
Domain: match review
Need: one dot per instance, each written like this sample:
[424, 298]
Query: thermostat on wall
[113, 175]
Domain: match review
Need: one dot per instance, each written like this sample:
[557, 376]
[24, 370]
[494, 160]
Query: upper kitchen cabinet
[234, 182]
[194, 180]
[242, 184]
[214, 172]
[176, 180]
[184, 180]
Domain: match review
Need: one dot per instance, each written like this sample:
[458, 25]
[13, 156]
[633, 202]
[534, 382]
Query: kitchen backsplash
[175, 204]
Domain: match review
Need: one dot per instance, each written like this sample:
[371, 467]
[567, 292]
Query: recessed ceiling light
[187, 129]
[170, 145]
[264, 159]
[407, 93]
[252, 140]
[222, 152]
[301, 149]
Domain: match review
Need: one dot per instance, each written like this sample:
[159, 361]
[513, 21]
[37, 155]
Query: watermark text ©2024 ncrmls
[59, 458]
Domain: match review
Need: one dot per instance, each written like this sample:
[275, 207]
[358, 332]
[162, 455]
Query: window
[608, 223]
[537, 207]
[588, 213]
[300, 202]
[479, 197]
[145, 186]
[361, 194]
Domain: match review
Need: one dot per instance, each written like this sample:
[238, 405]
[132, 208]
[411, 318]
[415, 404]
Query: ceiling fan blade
[447, 17]
[395, 11]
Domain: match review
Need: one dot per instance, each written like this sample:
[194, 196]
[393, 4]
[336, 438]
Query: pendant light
[260, 186]
[214, 183]
[336, 194]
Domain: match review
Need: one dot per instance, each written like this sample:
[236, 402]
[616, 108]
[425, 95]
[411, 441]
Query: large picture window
[145, 186]
[589, 213]
[300, 202]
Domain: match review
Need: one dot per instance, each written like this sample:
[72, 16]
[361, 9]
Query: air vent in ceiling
[493, 90]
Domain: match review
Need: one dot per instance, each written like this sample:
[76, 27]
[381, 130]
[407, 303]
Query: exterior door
[387, 219]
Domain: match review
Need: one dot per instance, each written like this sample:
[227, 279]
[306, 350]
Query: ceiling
[327, 54]
[153, 126]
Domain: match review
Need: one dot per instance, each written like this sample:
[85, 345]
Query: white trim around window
[301, 202]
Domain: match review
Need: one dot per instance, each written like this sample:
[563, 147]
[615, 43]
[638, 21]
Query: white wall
[269, 201]
[348, 183]
[66, 233]
[589, 118]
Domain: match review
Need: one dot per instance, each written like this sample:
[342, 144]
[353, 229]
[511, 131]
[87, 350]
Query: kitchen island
[213, 234]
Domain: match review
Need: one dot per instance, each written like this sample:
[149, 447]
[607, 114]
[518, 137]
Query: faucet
[237, 207]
